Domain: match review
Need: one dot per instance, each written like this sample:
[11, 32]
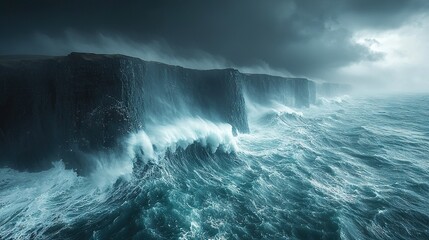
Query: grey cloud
[303, 37]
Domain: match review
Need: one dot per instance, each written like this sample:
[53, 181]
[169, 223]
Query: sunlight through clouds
[403, 63]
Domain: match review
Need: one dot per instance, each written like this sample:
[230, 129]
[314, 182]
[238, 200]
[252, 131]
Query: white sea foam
[155, 140]
[280, 171]
[109, 167]
[336, 100]
[29, 197]
[283, 109]
[257, 111]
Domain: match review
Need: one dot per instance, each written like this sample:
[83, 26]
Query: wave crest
[156, 140]
[334, 100]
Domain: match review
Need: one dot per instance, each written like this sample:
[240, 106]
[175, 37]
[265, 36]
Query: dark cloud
[304, 37]
[381, 14]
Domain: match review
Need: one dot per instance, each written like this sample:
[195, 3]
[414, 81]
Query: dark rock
[68, 107]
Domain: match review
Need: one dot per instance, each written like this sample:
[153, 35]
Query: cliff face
[171, 92]
[289, 91]
[312, 92]
[68, 107]
[302, 92]
[58, 108]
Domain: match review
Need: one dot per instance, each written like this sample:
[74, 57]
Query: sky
[376, 43]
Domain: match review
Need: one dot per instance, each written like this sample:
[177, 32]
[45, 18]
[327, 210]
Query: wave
[152, 143]
[50, 198]
[29, 198]
[334, 100]
[263, 114]
[256, 109]
[192, 178]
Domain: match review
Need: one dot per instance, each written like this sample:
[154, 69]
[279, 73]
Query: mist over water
[347, 167]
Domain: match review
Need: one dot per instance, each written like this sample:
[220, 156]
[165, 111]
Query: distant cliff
[262, 88]
[68, 107]
[329, 89]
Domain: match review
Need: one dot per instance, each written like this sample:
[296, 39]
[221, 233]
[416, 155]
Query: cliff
[69, 107]
[262, 88]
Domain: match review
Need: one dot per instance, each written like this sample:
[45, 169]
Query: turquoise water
[346, 168]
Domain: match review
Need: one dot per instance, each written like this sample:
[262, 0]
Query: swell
[328, 171]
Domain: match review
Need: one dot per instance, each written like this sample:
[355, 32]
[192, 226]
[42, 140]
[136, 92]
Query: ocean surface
[345, 168]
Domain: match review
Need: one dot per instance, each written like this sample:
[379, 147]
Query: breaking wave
[337, 171]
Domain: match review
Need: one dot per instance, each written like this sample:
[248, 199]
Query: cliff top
[11, 60]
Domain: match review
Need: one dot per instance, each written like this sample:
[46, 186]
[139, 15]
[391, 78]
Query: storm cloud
[300, 37]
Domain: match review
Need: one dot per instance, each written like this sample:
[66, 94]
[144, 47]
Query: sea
[348, 167]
